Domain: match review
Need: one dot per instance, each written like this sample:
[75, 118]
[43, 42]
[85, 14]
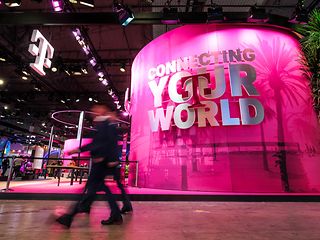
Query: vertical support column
[79, 133]
[50, 142]
[49, 151]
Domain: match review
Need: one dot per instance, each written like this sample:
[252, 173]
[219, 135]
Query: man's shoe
[126, 209]
[113, 220]
[65, 220]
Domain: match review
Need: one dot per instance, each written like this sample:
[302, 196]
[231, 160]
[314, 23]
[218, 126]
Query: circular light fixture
[54, 69]
[1, 82]
[90, 99]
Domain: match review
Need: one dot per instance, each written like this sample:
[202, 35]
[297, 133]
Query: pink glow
[228, 158]
[55, 4]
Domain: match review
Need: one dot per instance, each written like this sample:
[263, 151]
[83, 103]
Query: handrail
[14, 158]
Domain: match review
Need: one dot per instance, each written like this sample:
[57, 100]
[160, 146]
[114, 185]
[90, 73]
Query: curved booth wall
[224, 108]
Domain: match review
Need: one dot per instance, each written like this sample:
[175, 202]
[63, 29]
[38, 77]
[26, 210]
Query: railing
[14, 158]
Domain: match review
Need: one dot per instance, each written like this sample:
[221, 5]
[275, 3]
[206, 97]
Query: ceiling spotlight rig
[300, 14]
[215, 13]
[98, 67]
[125, 14]
[57, 5]
[257, 15]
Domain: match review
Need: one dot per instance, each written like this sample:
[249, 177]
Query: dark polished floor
[165, 220]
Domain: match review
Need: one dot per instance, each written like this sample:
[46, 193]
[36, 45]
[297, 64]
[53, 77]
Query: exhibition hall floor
[165, 220]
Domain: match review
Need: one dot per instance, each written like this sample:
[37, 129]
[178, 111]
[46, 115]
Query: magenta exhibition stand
[224, 108]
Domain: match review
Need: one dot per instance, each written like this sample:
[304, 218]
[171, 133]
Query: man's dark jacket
[104, 142]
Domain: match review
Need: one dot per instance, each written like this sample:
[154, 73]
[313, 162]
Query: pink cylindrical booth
[224, 108]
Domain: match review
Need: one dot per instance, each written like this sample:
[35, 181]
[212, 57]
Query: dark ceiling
[30, 102]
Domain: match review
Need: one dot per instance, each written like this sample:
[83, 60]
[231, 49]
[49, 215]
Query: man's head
[100, 110]
[103, 110]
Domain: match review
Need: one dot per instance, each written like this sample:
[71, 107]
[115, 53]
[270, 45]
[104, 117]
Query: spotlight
[300, 14]
[170, 16]
[54, 69]
[89, 3]
[57, 5]
[93, 61]
[90, 99]
[257, 15]
[12, 3]
[78, 100]
[105, 82]
[215, 14]
[100, 74]
[3, 59]
[25, 72]
[123, 67]
[24, 78]
[37, 87]
[6, 107]
[125, 15]
[1, 82]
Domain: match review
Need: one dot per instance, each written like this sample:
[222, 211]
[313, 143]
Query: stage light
[170, 16]
[93, 62]
[215, 14]
[2, 59]
[12, 3]
[1, 82]
[37, 87]
[100, 74]
[24, 71]
[54, 69]
[24, 78]
[257, 15]
[300, 14]
[90, 99]
[78, 100]
[123, 67]
[125, 15]
[57, 5]
[89, 3]
[5, 107]
[105, 82]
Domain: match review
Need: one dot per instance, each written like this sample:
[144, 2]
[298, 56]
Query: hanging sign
[43, 52]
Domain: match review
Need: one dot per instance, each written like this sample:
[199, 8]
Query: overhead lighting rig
[170, 16]
[125, 14]
[300, 14]
[257, 15]
[215, 13]
[102, 75]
